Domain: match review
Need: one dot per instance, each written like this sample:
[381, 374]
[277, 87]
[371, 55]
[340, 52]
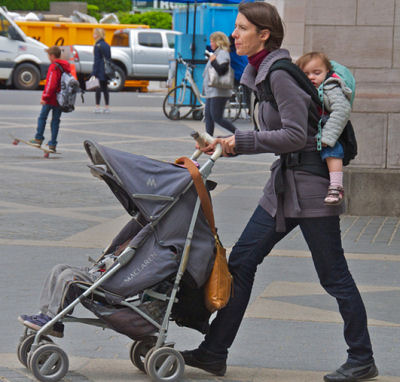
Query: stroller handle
[203, 139]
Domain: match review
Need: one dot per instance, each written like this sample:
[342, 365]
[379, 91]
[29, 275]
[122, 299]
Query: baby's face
[316, 71]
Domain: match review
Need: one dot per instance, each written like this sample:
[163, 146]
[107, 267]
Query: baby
[336, 95]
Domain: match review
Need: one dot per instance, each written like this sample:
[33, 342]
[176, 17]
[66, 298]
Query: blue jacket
[101, 50]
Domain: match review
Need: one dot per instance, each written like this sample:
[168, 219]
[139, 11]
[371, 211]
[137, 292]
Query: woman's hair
[221, 40]
[306, 58]
[265, 16]
[100, 32]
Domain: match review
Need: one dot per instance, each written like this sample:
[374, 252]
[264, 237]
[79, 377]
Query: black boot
[207, 361]
[353, 373]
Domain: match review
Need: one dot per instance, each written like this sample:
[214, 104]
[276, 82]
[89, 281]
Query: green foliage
[154, 19]
[23, 5]
[112, 5]
[44, 5]
[93, 10]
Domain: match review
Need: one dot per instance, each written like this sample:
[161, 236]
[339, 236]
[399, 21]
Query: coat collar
[251, 78]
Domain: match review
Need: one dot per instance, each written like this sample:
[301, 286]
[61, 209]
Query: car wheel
[26, 77]
[117, 83]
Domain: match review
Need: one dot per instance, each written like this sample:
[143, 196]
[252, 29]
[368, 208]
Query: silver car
[138, 54]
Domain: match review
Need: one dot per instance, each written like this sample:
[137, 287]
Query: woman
[216, 98]
[101, 52]
[291, 197]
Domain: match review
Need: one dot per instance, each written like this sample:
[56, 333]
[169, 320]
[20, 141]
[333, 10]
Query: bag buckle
[293, 160]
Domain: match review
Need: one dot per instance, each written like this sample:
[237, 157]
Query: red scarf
[256, 59]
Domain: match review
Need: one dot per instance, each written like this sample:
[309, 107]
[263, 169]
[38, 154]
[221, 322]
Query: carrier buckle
[293, 160]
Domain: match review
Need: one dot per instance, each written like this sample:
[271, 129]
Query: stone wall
[364, 35]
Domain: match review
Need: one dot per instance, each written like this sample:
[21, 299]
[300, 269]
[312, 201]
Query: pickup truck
[23, 60]
[138, 54]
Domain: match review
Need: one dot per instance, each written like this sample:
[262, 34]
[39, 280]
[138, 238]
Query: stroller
[151, 273]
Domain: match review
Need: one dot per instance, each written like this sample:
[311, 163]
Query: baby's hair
[306, 58]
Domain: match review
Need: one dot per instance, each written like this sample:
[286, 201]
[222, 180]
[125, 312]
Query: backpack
[347, 139]
[69, 87]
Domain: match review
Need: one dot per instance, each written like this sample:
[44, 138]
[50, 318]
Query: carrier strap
[201, 190]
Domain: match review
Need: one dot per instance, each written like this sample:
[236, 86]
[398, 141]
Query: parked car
[140, 54]
[23, 60]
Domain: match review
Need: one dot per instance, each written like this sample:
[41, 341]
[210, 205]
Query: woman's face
[95, 35]
[213, 45]
[248, 40]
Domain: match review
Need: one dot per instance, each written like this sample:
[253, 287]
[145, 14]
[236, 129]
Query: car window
[171, 40]
[4, 26]
[152, 39]
[120, 39]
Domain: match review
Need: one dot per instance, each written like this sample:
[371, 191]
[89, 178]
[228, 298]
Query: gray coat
[285, 131]
[337, 102]
[208, 91]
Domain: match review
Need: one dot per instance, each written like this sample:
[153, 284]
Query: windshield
[4, 26]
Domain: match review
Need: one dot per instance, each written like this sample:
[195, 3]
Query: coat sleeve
[221, 69]
[96, 61]
[340, 109]
[293, 104]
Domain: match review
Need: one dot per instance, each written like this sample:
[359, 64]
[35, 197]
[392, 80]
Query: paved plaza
[53, 211]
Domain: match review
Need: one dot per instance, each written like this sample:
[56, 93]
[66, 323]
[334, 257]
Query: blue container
[209, 19]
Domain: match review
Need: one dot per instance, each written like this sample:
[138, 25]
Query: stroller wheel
[48, 363]
[165, 364]
[139, 350]
[24, 347]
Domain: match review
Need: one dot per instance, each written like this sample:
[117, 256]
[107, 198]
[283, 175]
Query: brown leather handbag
[219, 285]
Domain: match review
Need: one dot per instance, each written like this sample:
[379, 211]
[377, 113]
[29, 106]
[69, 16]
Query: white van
[23, 60]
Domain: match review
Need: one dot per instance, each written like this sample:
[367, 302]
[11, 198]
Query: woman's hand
[227, 144]
[212, 57]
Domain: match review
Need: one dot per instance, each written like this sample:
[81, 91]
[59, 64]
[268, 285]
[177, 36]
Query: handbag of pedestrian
[92, 83]
[224, 81]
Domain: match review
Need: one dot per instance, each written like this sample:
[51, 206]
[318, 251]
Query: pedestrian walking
[217, 93]
[292, 197]
[102, 52]
[49, 99]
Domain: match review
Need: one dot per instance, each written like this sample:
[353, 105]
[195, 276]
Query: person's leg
[207, 117]
[67, 275]
[104, 89]
[324, 240]
[334, 160]
[217, 113]
[256, 241]
[42, 122]
[55, 126]
[98, 98]
[52, 295]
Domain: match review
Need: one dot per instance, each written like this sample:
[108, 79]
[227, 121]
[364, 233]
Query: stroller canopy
[139, 183]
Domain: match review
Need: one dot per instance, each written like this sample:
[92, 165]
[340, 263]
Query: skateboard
[47, 152]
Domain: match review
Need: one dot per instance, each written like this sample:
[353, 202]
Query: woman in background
[102, 51]
[216, 98]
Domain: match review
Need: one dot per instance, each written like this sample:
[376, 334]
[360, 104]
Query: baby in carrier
[337, 102]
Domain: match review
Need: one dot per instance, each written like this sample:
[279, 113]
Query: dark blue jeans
[55, 123]
[214, 112]
[323, 238]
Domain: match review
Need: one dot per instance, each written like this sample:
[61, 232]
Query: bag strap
[60, 67]
[201, 191]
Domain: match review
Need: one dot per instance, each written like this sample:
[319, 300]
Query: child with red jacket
[49, 99]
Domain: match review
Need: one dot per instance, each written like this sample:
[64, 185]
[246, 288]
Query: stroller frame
[160, 368]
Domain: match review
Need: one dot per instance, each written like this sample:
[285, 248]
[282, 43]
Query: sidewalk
[54, 211]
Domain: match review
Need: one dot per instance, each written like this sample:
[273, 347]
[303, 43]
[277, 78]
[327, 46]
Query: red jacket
[53, 81]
